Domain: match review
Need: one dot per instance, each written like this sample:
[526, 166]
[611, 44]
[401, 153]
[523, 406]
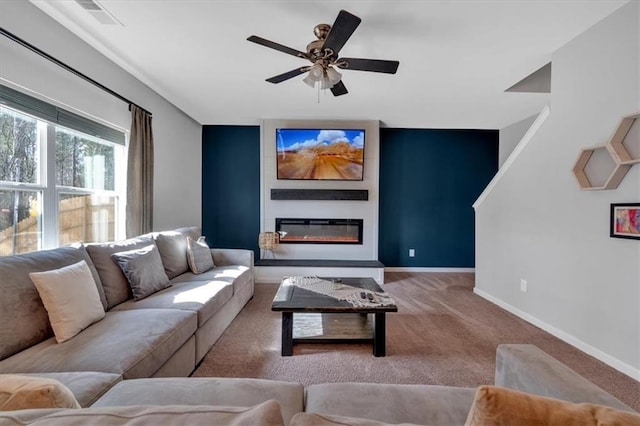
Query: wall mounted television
[320, 154]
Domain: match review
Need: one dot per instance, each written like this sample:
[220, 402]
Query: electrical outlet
[412, 252]
[523, 285]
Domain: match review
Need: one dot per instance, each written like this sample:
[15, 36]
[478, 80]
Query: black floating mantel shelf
[320, 194]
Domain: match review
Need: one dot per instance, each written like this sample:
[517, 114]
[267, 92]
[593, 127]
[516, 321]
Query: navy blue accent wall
[231, 186]
[429, 180]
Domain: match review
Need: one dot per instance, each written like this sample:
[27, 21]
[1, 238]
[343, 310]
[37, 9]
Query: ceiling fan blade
[339, 89]
[373, 65]
[287, 75]
[277, 46]
[341, 30]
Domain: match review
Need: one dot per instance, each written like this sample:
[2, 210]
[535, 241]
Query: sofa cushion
[203, 297]
[86, 386]
[115, 284]
[70, 296]
[267, 413]
[495, 406]
[233, 274]
[420, 404]
[212, 391]
[94, 272]
[132, 343]
[315, 419]
[23, 317]
[173, 249]
[24, 392]
[143, 269]
[199, 255]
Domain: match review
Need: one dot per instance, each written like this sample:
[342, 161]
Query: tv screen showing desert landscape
[320, 154]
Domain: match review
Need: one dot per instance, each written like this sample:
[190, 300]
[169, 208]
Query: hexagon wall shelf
[586, 168]
[593, 168]
[625, 142]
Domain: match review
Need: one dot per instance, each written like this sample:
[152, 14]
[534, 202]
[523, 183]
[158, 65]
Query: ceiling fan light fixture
[333, 75]
[325, 83]
[310, 80]
[317, 71]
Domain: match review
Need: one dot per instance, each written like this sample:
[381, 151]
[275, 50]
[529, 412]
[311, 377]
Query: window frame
[47, 187]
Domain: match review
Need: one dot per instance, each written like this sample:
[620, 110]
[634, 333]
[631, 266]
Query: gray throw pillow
[115, 284]
[143, 269]
[199, 255]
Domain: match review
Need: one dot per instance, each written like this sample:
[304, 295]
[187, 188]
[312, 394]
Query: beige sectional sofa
[253, 401]
[164, 334]
[116, 369]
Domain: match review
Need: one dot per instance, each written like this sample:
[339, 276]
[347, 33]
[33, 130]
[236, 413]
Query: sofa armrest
[224, 257]
[529, 369]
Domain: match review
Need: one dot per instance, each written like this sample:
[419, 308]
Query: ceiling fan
[323, 54]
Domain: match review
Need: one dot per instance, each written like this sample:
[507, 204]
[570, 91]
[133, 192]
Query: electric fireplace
[319, 231]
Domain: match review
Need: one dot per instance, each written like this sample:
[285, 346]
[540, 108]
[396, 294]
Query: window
[58, 183]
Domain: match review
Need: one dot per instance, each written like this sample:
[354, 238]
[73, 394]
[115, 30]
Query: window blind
[48, 112]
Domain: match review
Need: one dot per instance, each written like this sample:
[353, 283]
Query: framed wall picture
[625, 221]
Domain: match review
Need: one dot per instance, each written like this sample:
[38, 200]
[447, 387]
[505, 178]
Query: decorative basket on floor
[269, 241]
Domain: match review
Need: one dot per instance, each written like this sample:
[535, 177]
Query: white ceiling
[456, 57]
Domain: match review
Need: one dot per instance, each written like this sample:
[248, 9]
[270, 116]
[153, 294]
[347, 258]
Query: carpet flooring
[442, 334]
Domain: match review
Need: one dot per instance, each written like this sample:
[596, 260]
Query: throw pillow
[116, 287]
[495, 405]
[25, 392]
[199, 255]
[70, 296]
[173, 252]
[143, 269]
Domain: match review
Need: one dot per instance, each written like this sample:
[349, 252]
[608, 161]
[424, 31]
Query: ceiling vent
[98, 12]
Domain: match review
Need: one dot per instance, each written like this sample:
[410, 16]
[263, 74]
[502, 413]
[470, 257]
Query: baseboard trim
[630, 371]
[409, 269]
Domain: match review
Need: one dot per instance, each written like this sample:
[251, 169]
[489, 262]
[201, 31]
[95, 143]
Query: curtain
[140, 174]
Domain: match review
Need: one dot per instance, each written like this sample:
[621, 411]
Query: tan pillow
[199, 255]
[24, 392]
[501, 406]
[70, 297]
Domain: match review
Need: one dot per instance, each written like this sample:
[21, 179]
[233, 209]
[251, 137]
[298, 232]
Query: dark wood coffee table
[338, 317]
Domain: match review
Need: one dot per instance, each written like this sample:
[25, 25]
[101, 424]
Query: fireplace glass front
[319, 231]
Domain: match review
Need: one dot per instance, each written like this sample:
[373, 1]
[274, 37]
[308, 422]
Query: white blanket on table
[341, 291]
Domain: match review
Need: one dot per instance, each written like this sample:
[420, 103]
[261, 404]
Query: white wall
[178, 138]
[537, 225]
[510, 136]
[366, 210]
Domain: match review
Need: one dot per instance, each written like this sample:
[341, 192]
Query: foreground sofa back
[144, 400]
[266, 413]
[164, 334]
